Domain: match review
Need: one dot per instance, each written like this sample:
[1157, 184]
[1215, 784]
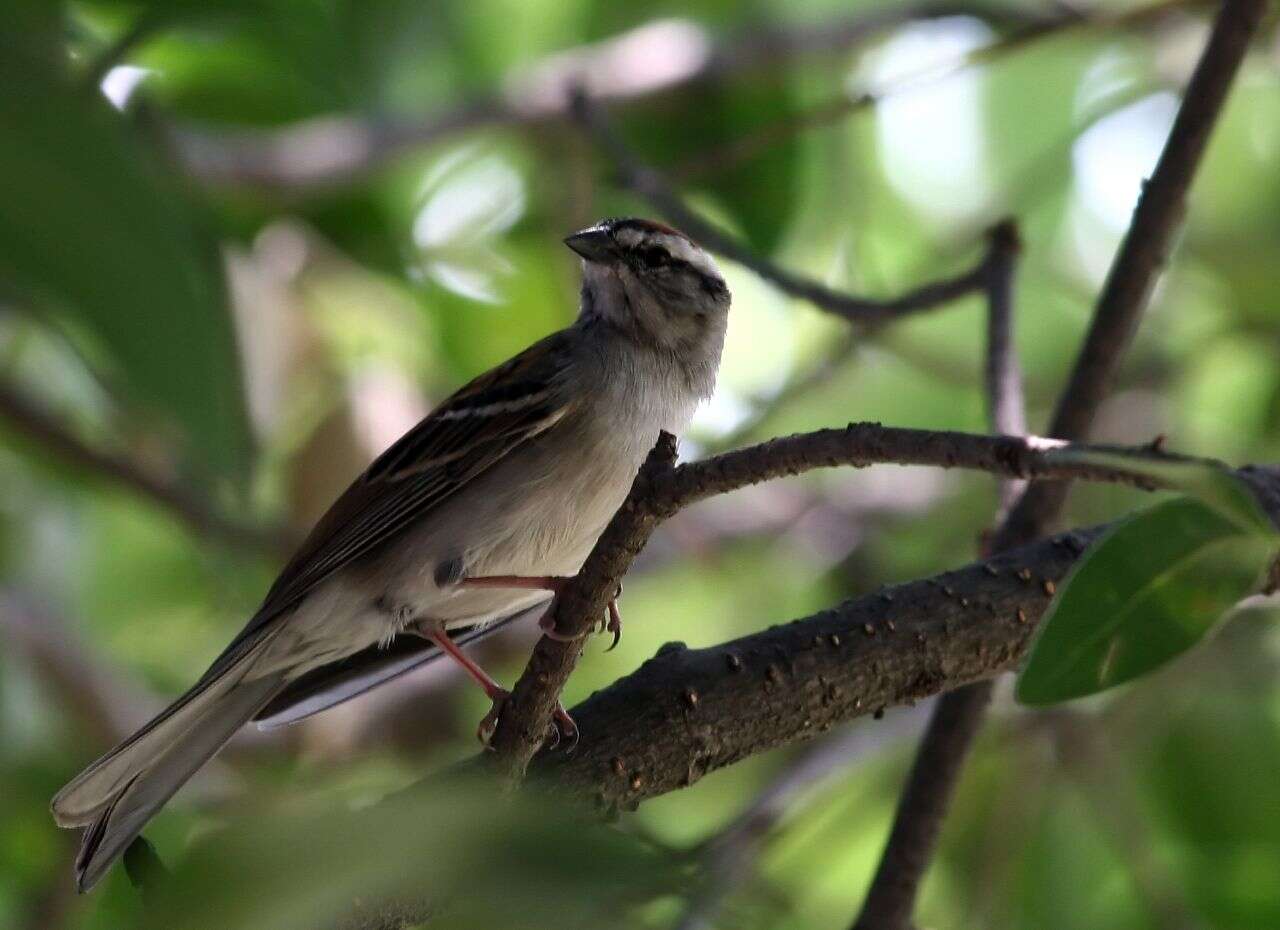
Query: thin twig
[1143, 252]
[892, 897]
[1006, 408]
[688, 712]
[28, 418]
[526, 715]
[859, 445]
[650, 185]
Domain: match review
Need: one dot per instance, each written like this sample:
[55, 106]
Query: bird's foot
[489, 722]
[612, 623]
[547, 624]
[563, 729]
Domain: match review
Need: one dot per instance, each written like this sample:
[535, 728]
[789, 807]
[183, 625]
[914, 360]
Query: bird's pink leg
[564, 726]
[492, 690]
[553, 583]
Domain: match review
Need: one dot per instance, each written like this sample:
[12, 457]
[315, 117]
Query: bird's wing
[473, 430]
[349, 677]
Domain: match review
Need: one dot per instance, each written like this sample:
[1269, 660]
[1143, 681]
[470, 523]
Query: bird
[476, 516]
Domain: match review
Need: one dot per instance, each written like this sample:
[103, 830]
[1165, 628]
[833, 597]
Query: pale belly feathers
[537, 514]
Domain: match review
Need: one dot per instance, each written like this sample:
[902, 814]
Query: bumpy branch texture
[688, 712]
[661, 490]
[27, 419]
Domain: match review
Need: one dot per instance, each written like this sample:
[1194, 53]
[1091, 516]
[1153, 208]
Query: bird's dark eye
[655, 256]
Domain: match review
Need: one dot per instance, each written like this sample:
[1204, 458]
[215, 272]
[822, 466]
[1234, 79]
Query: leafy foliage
[354, 311]
[1153, 587]
[96, 236]
[1146, 592]
[293, 871]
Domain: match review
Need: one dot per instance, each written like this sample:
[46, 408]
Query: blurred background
[244, 244]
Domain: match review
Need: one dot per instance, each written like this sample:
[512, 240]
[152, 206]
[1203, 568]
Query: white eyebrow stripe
[677, 247]
[500, 406]
[686, 251]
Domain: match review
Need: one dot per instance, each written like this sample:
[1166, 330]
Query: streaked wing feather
[349, 678]
[473, 430]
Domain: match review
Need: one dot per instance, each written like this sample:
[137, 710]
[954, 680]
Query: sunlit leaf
[1147, 591]
[468, 200]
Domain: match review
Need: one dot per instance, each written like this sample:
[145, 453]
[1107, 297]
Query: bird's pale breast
[538, 512]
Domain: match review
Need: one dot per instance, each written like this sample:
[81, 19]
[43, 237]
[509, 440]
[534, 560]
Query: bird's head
[654, 282]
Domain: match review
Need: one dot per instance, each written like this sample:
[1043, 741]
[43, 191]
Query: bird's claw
[611, 623]
[563, 729]
[547, 623]
[489, 722]
[614, 623]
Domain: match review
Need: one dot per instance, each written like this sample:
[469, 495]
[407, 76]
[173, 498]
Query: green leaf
[95, 235]
[1214, 485]
[1146, 592]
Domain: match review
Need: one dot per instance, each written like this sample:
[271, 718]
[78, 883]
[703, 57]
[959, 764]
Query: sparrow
[475, 516]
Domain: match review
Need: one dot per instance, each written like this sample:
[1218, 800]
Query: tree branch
[859, 445]
[1144, 251]
[26, 417]
[650, 185]
[687, 712]
[526, 715]
[917, 823]
[957, 716]
[661, 490]
[1006, 409]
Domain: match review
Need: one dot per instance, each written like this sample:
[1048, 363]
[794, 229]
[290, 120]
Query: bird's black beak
[594, 244]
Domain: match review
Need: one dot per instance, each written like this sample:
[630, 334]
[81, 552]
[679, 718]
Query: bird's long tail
[116, 796]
